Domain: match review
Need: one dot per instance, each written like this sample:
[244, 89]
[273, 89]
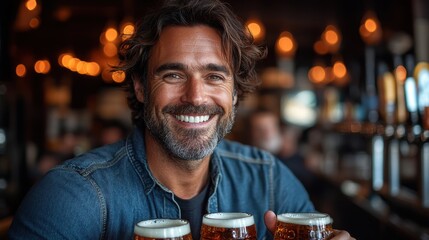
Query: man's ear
[234, 98]
[138, 89]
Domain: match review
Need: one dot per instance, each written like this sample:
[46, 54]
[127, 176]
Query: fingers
[270, 220]
[341, 235]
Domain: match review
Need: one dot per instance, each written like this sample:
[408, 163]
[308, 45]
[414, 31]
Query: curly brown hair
[237, 44]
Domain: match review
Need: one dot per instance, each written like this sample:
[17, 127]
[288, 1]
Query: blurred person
[264, 127]
[289, 151]
[110, 131]
[291, 154]
[187, 66]
[267, 133]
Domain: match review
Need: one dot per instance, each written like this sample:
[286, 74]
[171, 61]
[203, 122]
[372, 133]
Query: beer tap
[386, 97]
[411, 101]
[388, 84]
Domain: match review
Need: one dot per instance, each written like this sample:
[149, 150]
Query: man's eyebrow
[181, 67]
[217, 68]
[170, 66]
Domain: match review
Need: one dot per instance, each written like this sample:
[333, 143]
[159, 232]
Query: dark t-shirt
[193, 210]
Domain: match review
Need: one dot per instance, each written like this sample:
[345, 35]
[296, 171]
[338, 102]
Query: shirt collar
[136, 150]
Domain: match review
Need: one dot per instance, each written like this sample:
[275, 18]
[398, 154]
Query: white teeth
[192, 119]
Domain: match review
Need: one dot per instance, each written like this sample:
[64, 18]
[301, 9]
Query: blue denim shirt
[102, 194]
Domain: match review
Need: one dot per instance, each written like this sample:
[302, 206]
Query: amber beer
[172, 229]
[228, 226]
[303, 226]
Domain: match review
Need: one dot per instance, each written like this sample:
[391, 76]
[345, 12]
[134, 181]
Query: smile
[192, 119]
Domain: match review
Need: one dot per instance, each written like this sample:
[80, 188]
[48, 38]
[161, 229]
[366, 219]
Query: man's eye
[216, 78]
[172, 76]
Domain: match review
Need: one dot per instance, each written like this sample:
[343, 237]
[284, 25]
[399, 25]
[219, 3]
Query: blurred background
[344, 99]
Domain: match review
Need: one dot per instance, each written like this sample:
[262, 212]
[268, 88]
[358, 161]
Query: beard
[188, 144]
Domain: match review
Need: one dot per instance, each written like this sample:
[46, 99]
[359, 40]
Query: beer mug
[232, 225]
[172, 229]
[303, 226]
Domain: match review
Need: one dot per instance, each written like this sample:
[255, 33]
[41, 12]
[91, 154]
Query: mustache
[192, 109]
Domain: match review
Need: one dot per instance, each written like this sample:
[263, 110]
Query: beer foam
[228, 220]
[162, 228]
[305, 218]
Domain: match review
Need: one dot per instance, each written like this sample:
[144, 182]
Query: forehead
[190, 35]
[198, 41]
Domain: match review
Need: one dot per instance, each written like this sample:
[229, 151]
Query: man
[187, 66]
[265, 132]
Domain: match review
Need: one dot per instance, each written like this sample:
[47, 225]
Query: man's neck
[186, 178]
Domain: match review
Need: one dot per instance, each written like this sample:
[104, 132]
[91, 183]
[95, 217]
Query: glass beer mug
[228, 226]
[303, 226]
[172, 229]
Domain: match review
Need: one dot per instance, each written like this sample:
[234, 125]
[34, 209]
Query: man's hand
[270, 222]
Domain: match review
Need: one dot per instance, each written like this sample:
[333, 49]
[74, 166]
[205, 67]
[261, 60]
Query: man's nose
[195, 92]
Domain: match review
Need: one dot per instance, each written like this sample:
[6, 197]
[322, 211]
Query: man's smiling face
[190, 100]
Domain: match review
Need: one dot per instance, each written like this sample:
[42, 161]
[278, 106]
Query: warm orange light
[370, 29]
[34, 22]
[285, 45]
[256, 29]
[339, 69]
[93, 68]
[20, 70]
[111, 34]
[81, 67]
[64, 58]
[331, 37]
[31, 5]
[317, 74]
[127, 31]
[42, 66]
[72, 64]
[400, 73]
[76, 65]
[370, 25]
[118, 76]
